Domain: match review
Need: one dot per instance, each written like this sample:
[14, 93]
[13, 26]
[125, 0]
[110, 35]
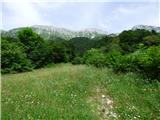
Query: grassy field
[67, 92]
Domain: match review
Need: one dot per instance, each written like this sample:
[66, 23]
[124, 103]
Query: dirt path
[104, 105]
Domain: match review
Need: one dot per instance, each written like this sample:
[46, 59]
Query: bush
[116, 61]
[31, 50]
[13, 58]
[77, 60]
[144, 61]
[131, 38]
[82, 44]
[59, 52]
[148, 62]
[34, 47]
[152, 40]
[95, 57]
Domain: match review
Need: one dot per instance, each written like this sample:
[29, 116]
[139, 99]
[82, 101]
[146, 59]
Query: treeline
[132, 50]
[29, 51]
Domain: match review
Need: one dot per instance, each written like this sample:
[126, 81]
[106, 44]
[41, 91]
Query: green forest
[132, 50]
[69, 79]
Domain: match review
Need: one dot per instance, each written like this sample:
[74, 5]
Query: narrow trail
[104, 105]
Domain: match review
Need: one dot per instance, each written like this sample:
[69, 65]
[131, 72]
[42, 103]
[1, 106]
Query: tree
[81, 45]
[151, 40]
[34, 46]
[13, 58]
[60, 51]
[131, 38]
[95, 57]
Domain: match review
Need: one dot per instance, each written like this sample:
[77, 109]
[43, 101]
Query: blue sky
[108, 15]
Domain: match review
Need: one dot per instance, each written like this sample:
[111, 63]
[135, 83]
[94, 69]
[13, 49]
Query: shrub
[148, 62]
[82, 44]
[95, 57]
[144, 61]
[116, 61]
[77, 60]
[151, 40]
[13, 58]
[131, 38]
[34, 46]
[58, 52]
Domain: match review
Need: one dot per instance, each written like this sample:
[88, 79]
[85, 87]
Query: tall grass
[64, 91]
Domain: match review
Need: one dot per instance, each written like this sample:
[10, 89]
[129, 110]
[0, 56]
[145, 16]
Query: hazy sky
[108, 15]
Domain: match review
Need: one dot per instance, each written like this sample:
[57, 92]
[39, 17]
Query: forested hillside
[136, 50]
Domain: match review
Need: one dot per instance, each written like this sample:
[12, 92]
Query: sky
[107, 15]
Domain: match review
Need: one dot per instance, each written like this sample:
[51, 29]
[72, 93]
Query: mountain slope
[147, 27]
[52, 33]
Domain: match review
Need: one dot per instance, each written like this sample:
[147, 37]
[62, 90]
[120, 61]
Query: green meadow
[78, 92]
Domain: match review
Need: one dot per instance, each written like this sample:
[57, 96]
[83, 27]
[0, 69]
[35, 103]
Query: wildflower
[103, 96]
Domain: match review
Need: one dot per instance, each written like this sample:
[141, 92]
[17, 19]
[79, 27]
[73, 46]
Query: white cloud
[110, 15]
[90, 14]
[159, 13]
[123, 10]
[20, 13]
[52, 1]
[125, 16]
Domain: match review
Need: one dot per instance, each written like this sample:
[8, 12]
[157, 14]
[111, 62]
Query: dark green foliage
[144, 61]
[30, 50]
[69, 50]
[114, 60]
[57, 39]
[13, 58]
[34, 47]
[95, 57]
[104, 42]
[148, 61]
[77, 60]
[130, 39]
[143, 48]
[82, 44]
[60, 52]
[42, 52]
[154, 32]
[108, 44]
[10, 39]
[39, 56]
[151, 40]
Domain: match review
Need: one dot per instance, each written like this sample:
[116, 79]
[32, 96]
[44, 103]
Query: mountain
[56, 33]
[52, 33]
[147, 27]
